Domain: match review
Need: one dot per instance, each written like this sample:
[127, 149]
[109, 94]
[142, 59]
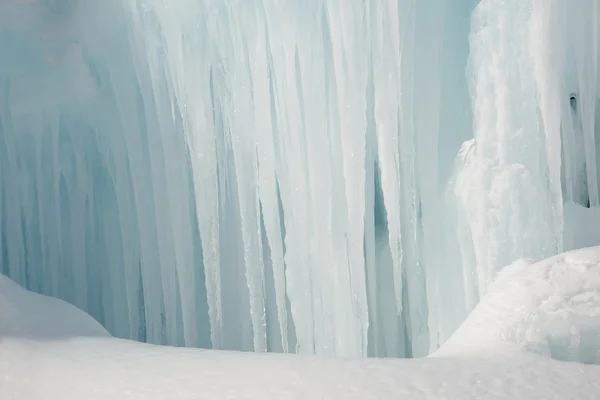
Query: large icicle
[388, 44]
[239, 108]
[348, 29]
[503, 183]
[258, 57]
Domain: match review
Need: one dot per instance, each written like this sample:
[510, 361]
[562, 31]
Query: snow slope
[28, 315]
[534, 315]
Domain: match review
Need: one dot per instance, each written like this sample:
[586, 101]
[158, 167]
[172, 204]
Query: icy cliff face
[324, 176]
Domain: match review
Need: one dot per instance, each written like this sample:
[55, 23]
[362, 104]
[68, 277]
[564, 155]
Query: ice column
[507, 182]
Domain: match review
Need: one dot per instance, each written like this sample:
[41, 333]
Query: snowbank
[28, 315]
[550, 308]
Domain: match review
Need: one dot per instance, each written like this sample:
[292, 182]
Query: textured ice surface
[339, 177]
[534, 315]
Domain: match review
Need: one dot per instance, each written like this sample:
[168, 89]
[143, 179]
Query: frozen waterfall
[338, 177]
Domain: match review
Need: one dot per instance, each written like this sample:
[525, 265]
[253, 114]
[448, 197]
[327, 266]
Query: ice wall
[324, 176]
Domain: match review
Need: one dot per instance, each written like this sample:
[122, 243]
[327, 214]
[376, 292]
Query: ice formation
[324, 176]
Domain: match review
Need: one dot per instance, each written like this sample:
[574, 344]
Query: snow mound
[551, 308]
[25, 314]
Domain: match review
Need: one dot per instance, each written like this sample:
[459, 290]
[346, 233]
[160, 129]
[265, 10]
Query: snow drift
[27, 315]
[549, 308]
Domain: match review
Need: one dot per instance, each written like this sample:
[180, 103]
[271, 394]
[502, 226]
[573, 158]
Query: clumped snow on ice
[551, 308]
[534, 314]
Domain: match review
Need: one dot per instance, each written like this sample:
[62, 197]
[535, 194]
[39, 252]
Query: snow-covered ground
[534, 315]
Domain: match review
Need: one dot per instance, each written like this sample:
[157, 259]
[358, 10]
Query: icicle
[387, 49]
[289, 166]
[548, 65]
[258, 56]
[586, 53]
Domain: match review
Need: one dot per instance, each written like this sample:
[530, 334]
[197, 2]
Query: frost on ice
[330, 177]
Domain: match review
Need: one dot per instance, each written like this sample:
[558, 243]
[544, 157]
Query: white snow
[534, 315]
